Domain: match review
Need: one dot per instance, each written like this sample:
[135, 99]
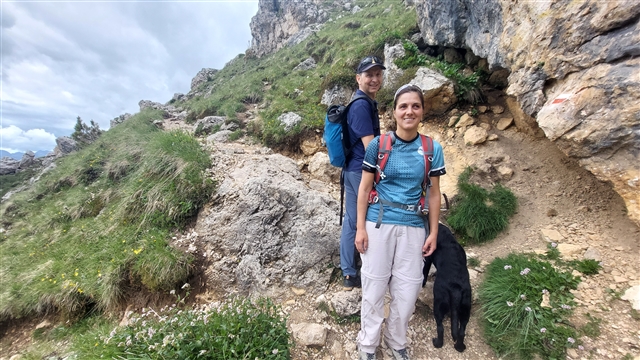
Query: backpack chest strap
[415, 208]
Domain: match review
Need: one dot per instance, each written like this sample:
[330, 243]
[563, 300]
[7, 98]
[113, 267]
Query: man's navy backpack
[336, 132]
[336, 138]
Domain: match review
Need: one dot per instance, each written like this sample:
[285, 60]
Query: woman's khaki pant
[392, 261]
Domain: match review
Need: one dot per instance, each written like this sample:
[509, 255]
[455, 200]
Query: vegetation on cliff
[270, 81]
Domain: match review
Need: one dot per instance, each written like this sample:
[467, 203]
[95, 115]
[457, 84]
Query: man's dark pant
[348, 236]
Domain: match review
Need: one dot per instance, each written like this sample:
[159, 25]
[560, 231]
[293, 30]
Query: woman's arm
[434, 215]
[366, 184]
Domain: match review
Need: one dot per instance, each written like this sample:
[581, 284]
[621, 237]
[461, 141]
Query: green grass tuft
[587, 266]
[473, 262]
[518, 323]
[480, 215]
[238, 329]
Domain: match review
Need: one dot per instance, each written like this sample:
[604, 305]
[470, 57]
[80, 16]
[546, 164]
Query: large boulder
[267, 230]
[207, 124]
[27, 160]
[148, 104]
[336, 95]
[202, 77]
[308, 64]
[8, 165]
[65, 145]
[573, 68]
[438, 91]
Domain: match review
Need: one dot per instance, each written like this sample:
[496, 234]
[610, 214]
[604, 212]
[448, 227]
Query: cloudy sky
[97, 59]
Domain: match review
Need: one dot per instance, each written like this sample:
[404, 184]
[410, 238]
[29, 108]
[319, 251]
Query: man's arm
[366, 140]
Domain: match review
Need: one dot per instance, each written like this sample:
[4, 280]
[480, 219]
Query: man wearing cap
[364, 125]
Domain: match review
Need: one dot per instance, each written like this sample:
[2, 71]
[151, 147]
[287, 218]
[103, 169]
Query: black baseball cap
[369, 62]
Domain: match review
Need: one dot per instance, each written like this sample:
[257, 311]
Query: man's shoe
[351, 281]
[401, 354]
[366, 356]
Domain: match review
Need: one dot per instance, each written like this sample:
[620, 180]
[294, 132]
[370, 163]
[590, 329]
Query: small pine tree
[84, 134]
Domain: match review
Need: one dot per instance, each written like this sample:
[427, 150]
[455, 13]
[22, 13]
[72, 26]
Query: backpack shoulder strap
[384, 150]
[346, 140]
[427, 149]
[359, 97]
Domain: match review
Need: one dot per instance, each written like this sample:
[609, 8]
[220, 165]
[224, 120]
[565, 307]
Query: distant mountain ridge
[18, 155]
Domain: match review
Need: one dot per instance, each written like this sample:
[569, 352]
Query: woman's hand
[362, 241]
[430, 244]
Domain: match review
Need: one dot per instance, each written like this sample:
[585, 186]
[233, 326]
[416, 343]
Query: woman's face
[408, 112]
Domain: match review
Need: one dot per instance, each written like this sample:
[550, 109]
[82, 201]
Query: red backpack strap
[427, 149]
[384, 149]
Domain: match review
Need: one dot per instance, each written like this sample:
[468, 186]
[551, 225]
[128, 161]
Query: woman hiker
[392, 248]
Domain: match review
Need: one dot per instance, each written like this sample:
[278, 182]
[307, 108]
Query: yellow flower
[62, 276]
[137, 251]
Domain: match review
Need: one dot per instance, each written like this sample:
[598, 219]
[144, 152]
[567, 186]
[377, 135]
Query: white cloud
[14, 139]
[96, 60]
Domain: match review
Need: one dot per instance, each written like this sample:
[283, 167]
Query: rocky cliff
[573, 68]
[279, 22]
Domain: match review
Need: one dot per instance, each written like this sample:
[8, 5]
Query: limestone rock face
[267, 231]
[280, 22]
[573, 68]
[393, 72]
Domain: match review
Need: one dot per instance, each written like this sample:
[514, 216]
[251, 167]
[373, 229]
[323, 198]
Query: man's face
[370, 81]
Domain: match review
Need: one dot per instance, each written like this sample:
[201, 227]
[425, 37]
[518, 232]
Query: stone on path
[633, 296]
[309, 334]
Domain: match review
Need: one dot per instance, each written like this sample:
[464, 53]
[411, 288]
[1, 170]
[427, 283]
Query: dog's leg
[464, 315]
[440, 308]
[457, 330]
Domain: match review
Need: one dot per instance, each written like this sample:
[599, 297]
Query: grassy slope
[101, 220]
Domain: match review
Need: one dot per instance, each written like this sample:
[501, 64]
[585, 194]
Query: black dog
[451, 289]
